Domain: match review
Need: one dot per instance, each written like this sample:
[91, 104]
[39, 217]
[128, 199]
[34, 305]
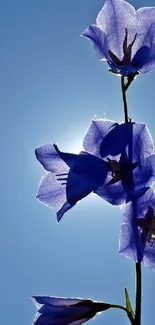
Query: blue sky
[52, 85]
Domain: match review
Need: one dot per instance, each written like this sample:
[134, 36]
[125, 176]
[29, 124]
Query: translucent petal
[132, 244]
[60, 310]
[144, 173]
[149, 256]
[145, 27]
[142, 143]
[68, 158]
[50, 159]
[97, 132]
[113, 194]
[51, 192]
[62, 195]
[99, 40]
[56, 301]
[113, 19]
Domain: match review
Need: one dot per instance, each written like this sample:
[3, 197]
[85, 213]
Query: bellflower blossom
[137, 238]
[65, 311]
[125, 38]
[128, 151]
[70, 177]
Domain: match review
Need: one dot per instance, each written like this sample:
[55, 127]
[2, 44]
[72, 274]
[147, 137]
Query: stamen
[62, 179]
[125, 44]
[59, 178]
[127, 51]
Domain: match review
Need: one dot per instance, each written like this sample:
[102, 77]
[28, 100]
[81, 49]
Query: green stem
[138, 295]
[123, 86]
[123, 308]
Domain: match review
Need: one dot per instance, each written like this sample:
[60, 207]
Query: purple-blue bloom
[128, 151]
[70, 177]
[125, 38]
[118, 159]
[137, 238]
[65, 311]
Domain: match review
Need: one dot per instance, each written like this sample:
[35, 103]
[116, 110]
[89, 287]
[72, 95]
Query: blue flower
[125, 38]
[128, 151]
[118, 159]
[137, 238]
[65, 311]
[70, 177]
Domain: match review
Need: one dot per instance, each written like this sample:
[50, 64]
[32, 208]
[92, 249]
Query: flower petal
[50, 159]
[79, 322]
[98, 38]
[129, 245]
[68, 158]
[52, 310]
[137, 141]
[87, 168]
[150, 63]
[62, 195]
[149, 257]
[98, 131]
[132, 244]
[108, 139]
[113, 19]
[114, 193]
[141, 58]
[144, 173]
[55, 301]
[145, 27]
[47, 319]
[51, 192]
[66, 206]
[91, 169]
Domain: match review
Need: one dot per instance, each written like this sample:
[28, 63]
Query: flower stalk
[124, 89]
[138, 294]
[126, 311]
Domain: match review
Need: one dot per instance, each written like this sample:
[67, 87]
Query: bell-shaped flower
[137, 238]
[70, 177]
[65, 311]
[124, 37]
[128, 151]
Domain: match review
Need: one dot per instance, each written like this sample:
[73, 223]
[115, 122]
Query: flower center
[122, 170]
[147, 226]
[127, 51]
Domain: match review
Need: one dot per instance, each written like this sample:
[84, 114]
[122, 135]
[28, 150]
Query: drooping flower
[65, 311]
[70, 177]
[128, 151]
[125, 38]
[137, 238]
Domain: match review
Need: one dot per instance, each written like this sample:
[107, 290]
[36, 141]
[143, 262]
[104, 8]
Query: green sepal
[128, 304]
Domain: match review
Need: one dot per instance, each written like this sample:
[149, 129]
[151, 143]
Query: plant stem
[123, 86]
[138, 294]
[123, 308]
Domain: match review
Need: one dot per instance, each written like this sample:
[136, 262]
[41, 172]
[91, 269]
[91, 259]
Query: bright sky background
[52, 85]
